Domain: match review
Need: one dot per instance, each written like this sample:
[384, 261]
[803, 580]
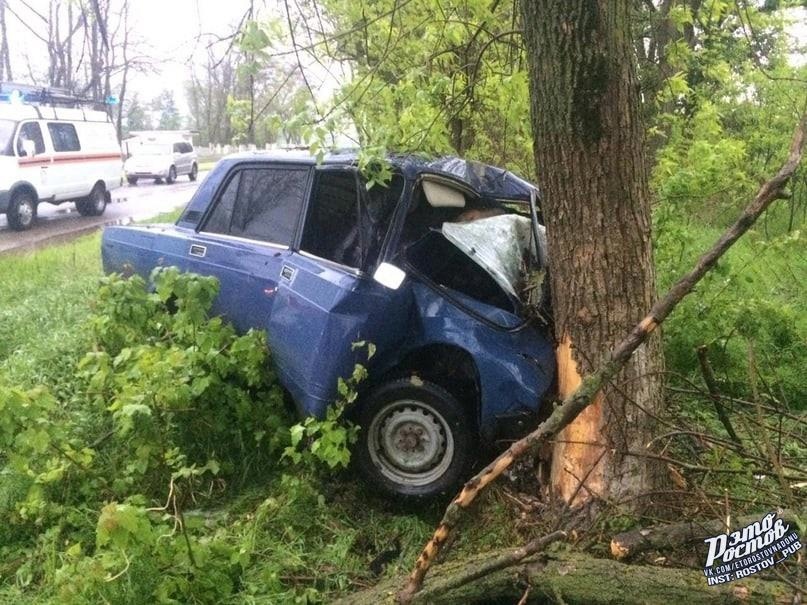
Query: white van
[160, 155]
[54, 154]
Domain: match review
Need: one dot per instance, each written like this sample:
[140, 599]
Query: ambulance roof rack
[11, 92]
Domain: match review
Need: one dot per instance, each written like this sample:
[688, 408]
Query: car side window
[32, 132]
[64, 137]
[333, 229]
[263, 204]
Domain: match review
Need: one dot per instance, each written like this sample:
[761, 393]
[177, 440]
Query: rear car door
[245, 238]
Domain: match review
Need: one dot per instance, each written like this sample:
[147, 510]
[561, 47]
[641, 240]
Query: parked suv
[161, 161]
[52, 153]
[429, 269]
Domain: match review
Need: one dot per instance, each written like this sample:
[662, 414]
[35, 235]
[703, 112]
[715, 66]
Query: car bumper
[145, 174]
[5, 198]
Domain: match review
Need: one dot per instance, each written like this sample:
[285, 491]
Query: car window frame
[360, 201]
[225, 182]
[22, 124]
[53, 139]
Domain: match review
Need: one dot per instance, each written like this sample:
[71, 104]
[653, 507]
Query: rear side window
[263, 204]
[64, 137]
[32, 132]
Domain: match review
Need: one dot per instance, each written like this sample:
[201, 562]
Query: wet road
[60, 223]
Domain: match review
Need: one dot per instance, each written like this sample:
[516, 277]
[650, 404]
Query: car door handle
[197, 250]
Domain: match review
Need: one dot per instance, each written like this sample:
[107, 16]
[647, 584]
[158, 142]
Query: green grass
[300, 538]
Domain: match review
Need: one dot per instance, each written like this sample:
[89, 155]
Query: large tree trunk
[589, 155]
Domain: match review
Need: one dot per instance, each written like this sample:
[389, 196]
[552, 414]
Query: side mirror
[29, 147]
[389, 276]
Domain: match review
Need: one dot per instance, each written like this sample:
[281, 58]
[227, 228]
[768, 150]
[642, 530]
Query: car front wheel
[21, 212]
[416, 440]
[194, 172]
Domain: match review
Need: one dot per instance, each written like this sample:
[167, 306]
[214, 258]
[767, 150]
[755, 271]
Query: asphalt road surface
[60, 223]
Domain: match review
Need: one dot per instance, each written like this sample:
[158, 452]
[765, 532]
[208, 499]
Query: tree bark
[589, 154]
[666, 537]
[573, 577]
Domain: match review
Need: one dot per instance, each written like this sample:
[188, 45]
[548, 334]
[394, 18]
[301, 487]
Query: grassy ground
[302, 539]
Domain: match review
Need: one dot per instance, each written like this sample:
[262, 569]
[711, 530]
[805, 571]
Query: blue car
[429, 268]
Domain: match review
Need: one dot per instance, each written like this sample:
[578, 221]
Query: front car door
[35, 168]
[327, 299]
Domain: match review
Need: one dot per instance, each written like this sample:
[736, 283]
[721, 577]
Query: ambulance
[54, 148]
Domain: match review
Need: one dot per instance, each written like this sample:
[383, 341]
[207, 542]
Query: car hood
[500, 245]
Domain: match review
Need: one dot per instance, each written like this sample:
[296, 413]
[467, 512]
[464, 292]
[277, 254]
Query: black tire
[132, 180]
[94, 204]
[429, 448]
[172, 175]
[21, 213]
[194, 172]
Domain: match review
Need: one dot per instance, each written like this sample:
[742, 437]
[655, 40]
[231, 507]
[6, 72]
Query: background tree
[137, 117]
[5, 59]
[166, 105]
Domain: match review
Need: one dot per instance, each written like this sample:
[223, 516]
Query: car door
[35, 168]
[245, 238]
[70, 174]
[327, 299]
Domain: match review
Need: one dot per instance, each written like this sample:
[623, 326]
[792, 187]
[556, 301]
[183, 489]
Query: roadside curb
[61, 238]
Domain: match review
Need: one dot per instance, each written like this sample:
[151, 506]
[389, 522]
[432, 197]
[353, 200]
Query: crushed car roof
[488, 181]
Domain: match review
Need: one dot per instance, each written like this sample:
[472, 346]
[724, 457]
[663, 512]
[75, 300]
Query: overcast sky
[176, 33]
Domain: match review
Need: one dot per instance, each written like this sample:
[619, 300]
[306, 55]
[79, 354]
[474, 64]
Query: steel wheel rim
[25, 212]
[410, 442]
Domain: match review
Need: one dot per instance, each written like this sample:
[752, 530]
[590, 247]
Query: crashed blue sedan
[429, 268]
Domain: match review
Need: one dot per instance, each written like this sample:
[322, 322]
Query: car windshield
[6, 133]
[151, 150]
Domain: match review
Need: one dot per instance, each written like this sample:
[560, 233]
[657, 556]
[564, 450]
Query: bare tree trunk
[590, 159]
[5, 58]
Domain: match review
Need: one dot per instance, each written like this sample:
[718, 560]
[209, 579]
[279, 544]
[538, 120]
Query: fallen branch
[714, 395]
[573, 577]
[591, 384]
[665, 537]
[494, 564]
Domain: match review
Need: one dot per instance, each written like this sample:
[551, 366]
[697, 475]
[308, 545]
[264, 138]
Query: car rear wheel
[172, 175]
[94, 204]
[194, 172]
[416, 439]
[132, 180]
[21, 213]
